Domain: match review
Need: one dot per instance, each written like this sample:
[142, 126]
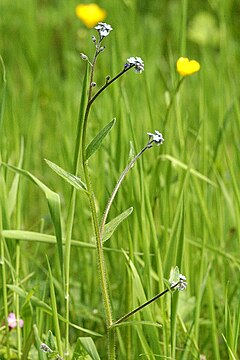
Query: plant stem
[67, 266]
[171, 101]
[16, 296]
[109, 83]
[4, 283]
[101, 262]
[111, 344]
[130, 313]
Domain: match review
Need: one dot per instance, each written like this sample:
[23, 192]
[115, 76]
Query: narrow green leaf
[233, 357]
[54, 206]
[74, 180]
[3, 92]
[85, 350]
[192, 171]
[42, 238]
[110, 227]
[12, 196]
[81, 116]
[97, 141]
[54, 311]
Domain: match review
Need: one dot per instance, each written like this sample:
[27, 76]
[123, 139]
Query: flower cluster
[103, 29]
[177, 280]
[90, 14]
[187, 67]
[157, 137]
[182, 283]
[135, 62]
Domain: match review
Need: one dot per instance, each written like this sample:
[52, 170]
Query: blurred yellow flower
[90, 14]
[187, 67]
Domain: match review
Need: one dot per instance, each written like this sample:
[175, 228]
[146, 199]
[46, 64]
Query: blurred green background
[40, 44]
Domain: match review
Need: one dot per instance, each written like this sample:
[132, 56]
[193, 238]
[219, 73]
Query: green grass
[185, 194]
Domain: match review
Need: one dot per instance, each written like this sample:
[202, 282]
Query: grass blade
[54, 206]
[54, 311]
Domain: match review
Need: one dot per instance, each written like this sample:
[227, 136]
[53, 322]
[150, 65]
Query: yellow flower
[187, 67]
[90, 14]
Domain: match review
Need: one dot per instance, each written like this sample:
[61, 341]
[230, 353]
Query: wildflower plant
[184, 67]
[13, 322]
[174, 176]
[81, 158]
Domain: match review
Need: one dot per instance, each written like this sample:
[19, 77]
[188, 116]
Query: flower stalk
[179, 285]
[153, 138]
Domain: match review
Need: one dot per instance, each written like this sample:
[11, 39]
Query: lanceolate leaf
[75, 181]
[110, 227]
[96, 142]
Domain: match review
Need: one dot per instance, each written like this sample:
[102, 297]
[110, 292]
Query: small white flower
[137, 62]
[177, 280]
[157, 137]
[103, 29]
[182, 283]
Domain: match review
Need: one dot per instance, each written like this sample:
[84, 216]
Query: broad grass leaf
[97, 141]
[73, 180]
[54, 206]
[85, 349]
[32, 236]
[110, 227]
